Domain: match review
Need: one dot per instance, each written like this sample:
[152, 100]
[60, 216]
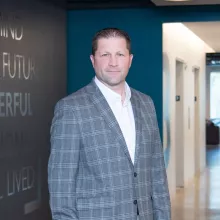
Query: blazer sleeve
[160, 191]
[63, 163]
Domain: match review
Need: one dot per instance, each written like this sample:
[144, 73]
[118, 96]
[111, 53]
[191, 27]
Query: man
[106, 159]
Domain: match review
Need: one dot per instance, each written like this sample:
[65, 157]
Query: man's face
[112, 61]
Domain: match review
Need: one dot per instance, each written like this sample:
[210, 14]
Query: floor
[201, 200]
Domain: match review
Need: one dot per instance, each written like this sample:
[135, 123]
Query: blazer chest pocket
[147, 135]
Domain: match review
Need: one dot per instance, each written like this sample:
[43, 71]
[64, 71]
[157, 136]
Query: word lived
[10, 28]
[14, 104]
[15, 66]
[18, 181]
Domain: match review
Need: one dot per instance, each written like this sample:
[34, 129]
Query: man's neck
[120, 89]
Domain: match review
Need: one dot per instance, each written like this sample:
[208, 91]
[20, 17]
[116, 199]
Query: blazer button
[135, 202]
[135, 174]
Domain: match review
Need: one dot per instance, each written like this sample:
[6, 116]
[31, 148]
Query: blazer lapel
[135, 102]
[105, 111]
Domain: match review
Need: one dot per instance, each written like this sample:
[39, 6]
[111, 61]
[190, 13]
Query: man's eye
[120, 54]
[104, 55]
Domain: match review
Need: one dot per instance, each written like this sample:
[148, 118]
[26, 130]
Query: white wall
[180, 43]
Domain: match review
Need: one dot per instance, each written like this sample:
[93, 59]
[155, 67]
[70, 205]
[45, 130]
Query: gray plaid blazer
[90, 172]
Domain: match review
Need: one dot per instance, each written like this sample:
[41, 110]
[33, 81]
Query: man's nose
[113, 61]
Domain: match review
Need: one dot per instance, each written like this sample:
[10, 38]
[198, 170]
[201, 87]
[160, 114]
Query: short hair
[108, 33]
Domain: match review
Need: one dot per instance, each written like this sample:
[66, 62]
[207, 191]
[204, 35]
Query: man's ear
[131, 58]
[92, 59]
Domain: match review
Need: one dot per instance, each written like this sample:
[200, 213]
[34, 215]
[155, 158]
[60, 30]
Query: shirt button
[135, 174]
[135, 202]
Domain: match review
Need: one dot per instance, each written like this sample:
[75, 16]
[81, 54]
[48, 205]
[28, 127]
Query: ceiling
[186, 2]
[100, 4]
[96, 4]
[209, 32]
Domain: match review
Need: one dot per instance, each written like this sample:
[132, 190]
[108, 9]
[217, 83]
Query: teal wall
[145, 29]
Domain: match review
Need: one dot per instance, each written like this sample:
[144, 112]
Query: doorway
[215, 95]
[196, 119]
[179, 125]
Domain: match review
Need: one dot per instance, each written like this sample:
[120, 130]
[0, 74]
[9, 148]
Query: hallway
[201, 199]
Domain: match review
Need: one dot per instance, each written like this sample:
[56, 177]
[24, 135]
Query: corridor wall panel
[32, 80]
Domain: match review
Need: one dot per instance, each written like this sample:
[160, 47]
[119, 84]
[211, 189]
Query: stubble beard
[113, 81]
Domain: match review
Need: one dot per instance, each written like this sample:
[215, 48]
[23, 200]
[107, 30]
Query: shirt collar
[112, 96]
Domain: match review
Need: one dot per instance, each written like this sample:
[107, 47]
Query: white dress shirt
[123, 113]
